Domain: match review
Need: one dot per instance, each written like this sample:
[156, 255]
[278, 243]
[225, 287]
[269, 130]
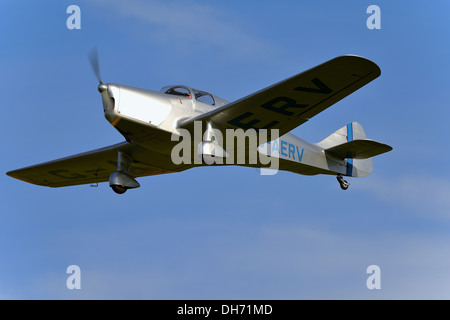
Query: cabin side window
[204, 97]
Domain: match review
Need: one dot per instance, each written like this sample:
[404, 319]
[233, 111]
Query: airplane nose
[102, 87]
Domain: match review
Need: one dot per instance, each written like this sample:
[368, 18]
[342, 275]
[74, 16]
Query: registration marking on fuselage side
[285, 149]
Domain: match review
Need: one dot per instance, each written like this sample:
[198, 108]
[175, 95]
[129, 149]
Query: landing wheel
[344, 184]
[207, 159]
[119, 189]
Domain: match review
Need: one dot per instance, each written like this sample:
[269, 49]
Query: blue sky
[225, 233]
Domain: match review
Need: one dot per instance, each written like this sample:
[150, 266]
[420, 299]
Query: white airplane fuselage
[164, 112]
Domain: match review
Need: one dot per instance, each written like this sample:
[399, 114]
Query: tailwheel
[344, 184]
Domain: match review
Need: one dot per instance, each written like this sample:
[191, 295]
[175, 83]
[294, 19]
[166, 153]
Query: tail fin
[350, 144]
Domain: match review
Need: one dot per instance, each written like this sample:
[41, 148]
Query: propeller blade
[93, 58]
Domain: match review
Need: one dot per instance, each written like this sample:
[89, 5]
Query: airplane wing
[92, 167]
[294, 101]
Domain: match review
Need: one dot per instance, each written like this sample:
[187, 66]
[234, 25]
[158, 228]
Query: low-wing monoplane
[153, 123]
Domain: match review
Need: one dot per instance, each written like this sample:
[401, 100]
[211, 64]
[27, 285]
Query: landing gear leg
[344, 184]
[120, 181]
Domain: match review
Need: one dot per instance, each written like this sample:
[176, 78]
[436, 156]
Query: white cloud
[426, 195]
[190, 26]
[293, 261]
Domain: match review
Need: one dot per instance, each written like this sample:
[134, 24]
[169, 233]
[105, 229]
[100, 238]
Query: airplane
[149, 121]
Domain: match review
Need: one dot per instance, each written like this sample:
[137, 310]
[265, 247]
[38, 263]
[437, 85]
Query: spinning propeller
[93, 58]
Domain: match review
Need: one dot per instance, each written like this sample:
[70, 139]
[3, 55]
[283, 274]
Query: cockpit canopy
[186, 92]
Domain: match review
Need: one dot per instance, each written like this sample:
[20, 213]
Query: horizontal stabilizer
[358, 149]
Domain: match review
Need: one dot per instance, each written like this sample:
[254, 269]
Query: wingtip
[13, 174]
[363, 59]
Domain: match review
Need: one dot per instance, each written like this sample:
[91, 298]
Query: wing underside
[291, 102]
[93, 167]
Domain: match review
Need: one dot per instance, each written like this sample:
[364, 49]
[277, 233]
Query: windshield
[177, 91]
[183, 91]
